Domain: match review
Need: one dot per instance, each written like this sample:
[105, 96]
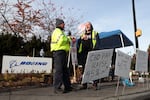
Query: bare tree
[24, 19]
[4, 22]
[52, 11]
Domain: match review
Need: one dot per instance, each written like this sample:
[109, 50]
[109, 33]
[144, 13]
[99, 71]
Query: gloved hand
[84, 37]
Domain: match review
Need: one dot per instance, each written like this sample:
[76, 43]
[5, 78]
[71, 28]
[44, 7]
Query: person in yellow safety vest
[88, 41]
[60, 45]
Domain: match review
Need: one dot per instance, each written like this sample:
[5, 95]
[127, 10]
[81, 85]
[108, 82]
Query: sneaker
[58, 91]
[83, 87]
[95, 86]
[66, 90]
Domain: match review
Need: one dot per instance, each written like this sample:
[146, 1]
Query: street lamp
[135, 28]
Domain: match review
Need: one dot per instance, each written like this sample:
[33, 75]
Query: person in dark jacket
[88, 41]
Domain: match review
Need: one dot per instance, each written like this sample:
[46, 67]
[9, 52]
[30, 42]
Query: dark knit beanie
[59, 21]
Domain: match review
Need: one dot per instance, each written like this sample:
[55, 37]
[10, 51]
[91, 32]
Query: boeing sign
[26, 64]
[14, 63]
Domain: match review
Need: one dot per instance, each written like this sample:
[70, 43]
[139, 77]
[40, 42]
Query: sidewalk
[106, 92]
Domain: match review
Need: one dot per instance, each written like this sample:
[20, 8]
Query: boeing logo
[14, 63]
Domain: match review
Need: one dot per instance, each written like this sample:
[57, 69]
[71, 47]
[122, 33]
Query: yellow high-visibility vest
[59, 41]
[94, 33]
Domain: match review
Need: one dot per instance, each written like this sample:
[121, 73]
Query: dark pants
[61, 72]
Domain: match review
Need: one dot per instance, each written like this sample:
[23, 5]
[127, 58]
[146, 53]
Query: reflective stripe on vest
[59, 41]
[94, 33]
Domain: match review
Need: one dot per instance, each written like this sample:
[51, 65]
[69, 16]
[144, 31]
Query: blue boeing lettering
[32, 63]
[14, 63]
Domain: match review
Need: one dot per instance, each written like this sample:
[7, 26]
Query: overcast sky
[109, 15]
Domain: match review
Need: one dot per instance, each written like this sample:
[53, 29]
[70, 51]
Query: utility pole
[135, 27]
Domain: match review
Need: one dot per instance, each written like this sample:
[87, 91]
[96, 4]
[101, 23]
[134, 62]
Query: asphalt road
[107, 91]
